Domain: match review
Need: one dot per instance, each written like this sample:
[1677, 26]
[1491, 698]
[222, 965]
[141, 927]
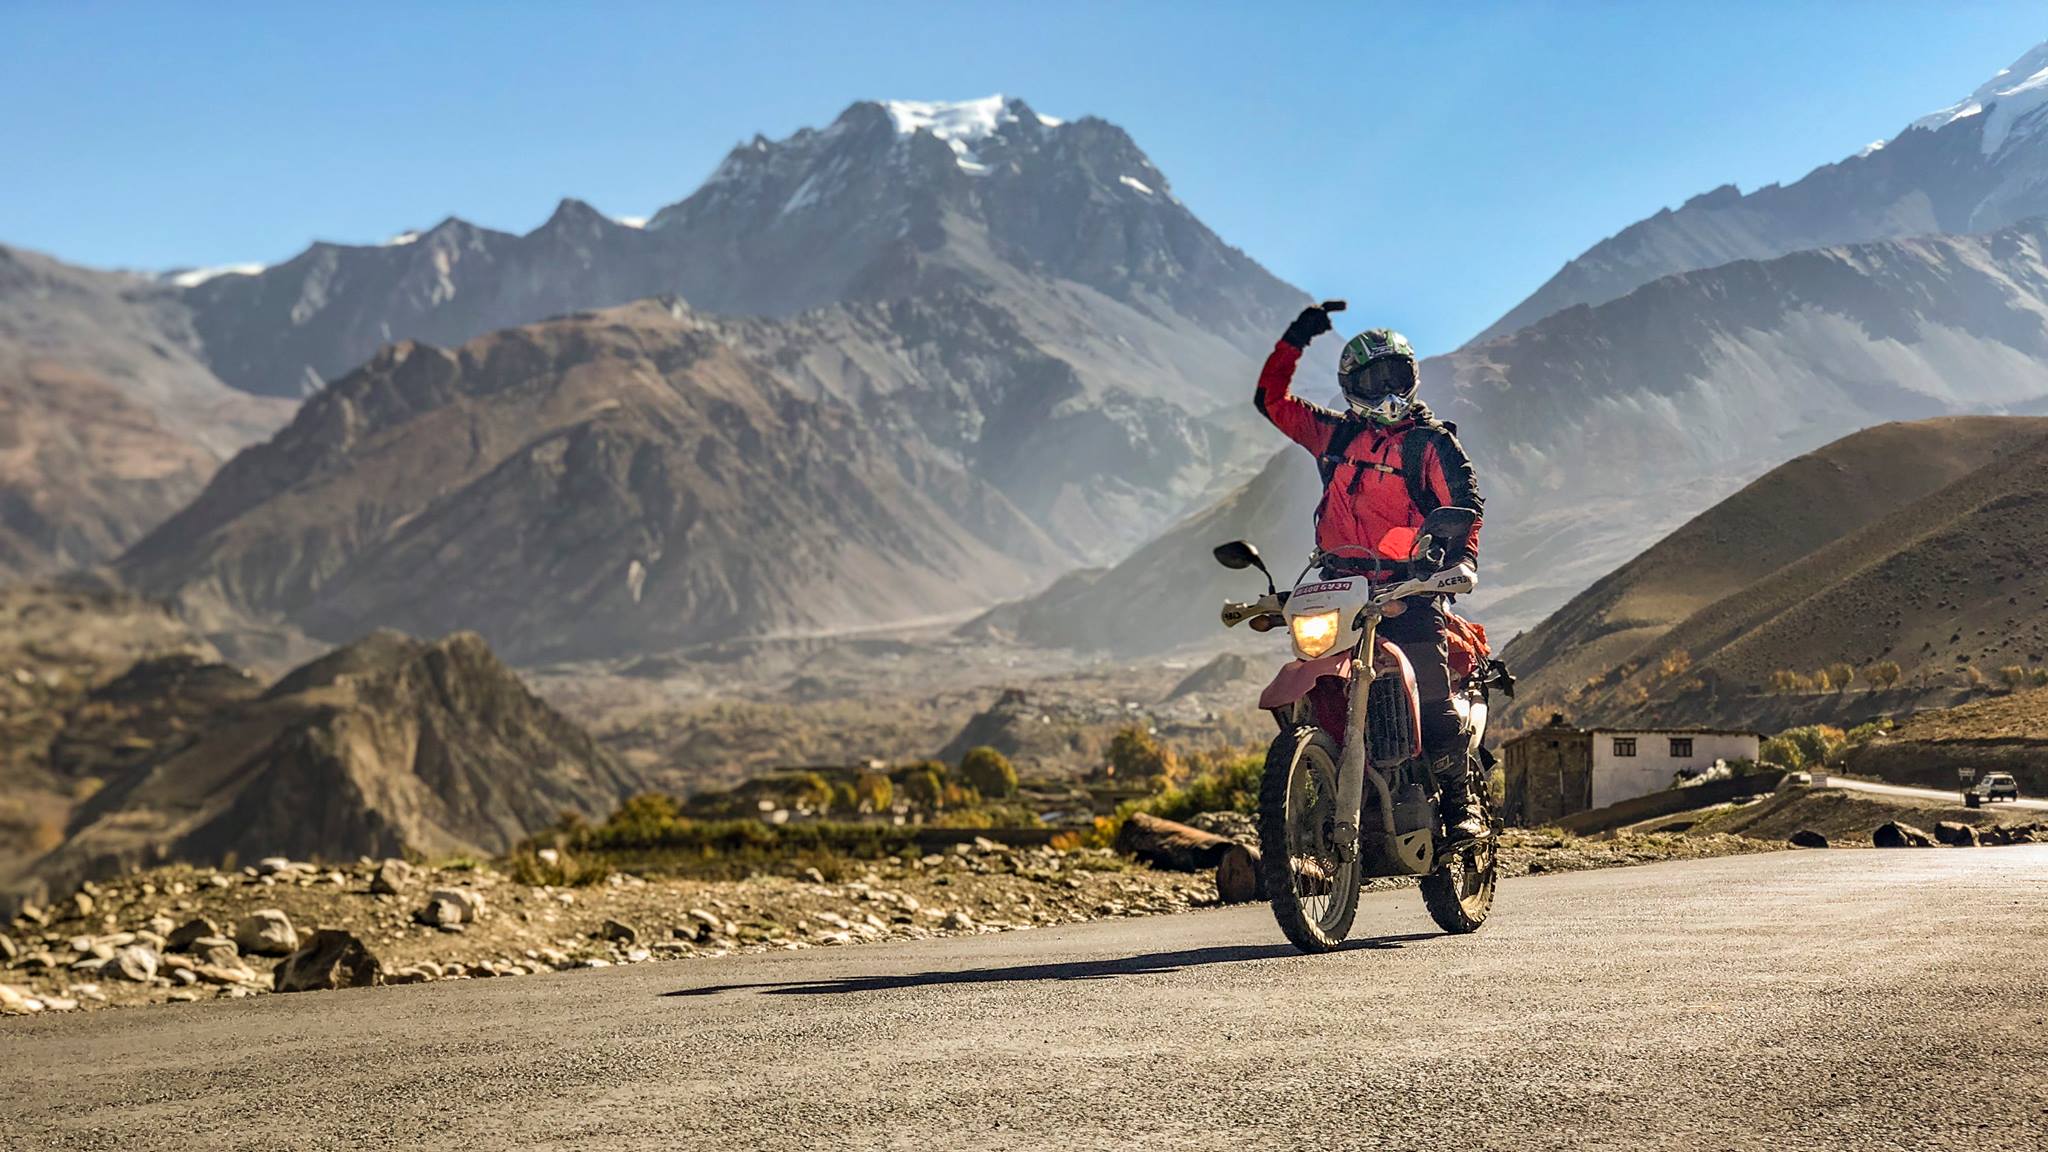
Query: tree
[1840, 674]
[1134, 754]
[844, 798]
[811, 791]
[874, 791]
[989, 772]
[923, 788]
[1884, 673]
[2013, 676]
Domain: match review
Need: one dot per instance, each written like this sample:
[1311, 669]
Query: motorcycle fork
[1354, 766]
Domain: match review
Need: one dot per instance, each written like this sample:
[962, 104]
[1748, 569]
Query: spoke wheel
[1459, 893]
[1313, 888]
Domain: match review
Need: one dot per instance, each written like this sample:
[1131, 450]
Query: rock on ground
[266, 932]
[330, 959]
[1899, 834]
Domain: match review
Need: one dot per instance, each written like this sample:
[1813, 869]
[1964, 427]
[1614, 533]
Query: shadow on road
[1146, 965]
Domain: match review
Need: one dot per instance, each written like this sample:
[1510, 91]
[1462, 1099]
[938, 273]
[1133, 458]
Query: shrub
[1675, 663]
[923, 788]
[1972, 677]
[873, 790]
[989, 773]
[1804, 747]
[1134, 754]
[2013, 677]
[844, 798]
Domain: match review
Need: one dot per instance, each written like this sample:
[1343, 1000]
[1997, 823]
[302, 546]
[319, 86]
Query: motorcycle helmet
[1377, 373]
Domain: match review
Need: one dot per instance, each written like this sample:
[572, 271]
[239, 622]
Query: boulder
[1956, 834]
[1238, 876]
[1170, 846]
[226, 975]
[330, 959]
[1807, 838]
[266, 932]
[215, 950]
[440, 913]
[184, 936]
[137, 962]
[391, 878]
[17, 1002]
[81, 905]
[618, 930]
[9, 950]
[1899, 834]
[468, 900]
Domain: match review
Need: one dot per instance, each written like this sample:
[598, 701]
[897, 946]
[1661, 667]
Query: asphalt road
[1953, 796]
[1835, 999]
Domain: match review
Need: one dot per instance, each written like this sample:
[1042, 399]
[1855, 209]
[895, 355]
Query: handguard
[1235, 613]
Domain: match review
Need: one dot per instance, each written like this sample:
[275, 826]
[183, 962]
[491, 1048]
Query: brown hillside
[618, 481]
[1941, 585]
[388, 746]
[1784, 515]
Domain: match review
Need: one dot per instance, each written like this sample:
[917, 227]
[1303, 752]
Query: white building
[1628, 764]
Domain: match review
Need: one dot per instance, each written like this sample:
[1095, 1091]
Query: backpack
[1414, 451]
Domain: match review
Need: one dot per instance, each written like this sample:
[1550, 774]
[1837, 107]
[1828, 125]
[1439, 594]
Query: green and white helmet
[1377, 373]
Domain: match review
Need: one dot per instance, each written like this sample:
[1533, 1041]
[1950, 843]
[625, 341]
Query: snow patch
[408, 236]
[961, 124]
[2018, 92]
[194, 277]
[1134, 182]
[1873, 146]
[631, 221]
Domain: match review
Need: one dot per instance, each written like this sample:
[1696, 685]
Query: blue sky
[1434, 168]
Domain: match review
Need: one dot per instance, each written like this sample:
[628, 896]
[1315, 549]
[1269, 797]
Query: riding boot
[1464, 819]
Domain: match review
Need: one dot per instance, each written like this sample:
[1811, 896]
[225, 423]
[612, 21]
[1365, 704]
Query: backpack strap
[1348, 428]
[1414, 464]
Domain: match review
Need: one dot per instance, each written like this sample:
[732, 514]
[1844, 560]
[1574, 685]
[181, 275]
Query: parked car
[1992, 786]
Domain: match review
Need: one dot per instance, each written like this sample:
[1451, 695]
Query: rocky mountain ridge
[1977, 166]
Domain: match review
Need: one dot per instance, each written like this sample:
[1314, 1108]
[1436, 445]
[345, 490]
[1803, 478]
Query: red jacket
[1367, 494]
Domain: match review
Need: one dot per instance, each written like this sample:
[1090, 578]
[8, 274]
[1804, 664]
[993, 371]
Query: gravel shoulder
[182, 934]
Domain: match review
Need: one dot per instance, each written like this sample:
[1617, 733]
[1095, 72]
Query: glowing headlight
[1314, 632]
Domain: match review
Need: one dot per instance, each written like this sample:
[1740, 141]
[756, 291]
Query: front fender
[1295, 679]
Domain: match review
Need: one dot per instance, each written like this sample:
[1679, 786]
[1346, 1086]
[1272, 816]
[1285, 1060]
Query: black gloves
[1312, 322]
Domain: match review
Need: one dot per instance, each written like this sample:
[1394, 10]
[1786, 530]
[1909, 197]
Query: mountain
[386, 747]
[1933, 573]
[1782, 517]
[892, 199]
[109, 421]
[1055, 244]
[1599, 430]
[627, 480]
[1976, 166]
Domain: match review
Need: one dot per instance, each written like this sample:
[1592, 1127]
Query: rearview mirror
[1238, 554]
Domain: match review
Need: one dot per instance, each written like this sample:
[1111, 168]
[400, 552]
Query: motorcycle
[1347, 793]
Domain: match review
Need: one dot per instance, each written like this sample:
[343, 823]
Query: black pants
[1419, 633]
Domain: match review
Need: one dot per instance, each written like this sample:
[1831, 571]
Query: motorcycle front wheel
[1314, 889]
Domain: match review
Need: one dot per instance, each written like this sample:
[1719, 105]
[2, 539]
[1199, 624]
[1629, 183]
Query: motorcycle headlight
[1314, 632]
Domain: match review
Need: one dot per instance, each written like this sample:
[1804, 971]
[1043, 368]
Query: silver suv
[1992, 786]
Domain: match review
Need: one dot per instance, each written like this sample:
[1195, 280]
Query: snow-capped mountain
[1978, 165]
[1023, 295]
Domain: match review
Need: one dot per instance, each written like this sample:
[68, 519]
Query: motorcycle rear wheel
[1313, 889]
[1459, 894]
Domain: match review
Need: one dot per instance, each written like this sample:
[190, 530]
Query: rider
[1386, 462]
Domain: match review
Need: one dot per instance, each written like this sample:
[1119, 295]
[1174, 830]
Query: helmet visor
[1379, 379]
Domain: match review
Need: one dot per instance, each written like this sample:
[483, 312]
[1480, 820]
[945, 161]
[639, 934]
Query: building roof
[1567, 730]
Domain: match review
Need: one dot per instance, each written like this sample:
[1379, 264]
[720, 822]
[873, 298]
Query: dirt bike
[1347, 792]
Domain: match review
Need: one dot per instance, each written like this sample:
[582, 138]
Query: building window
[1624, 745]
[1681, 747]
